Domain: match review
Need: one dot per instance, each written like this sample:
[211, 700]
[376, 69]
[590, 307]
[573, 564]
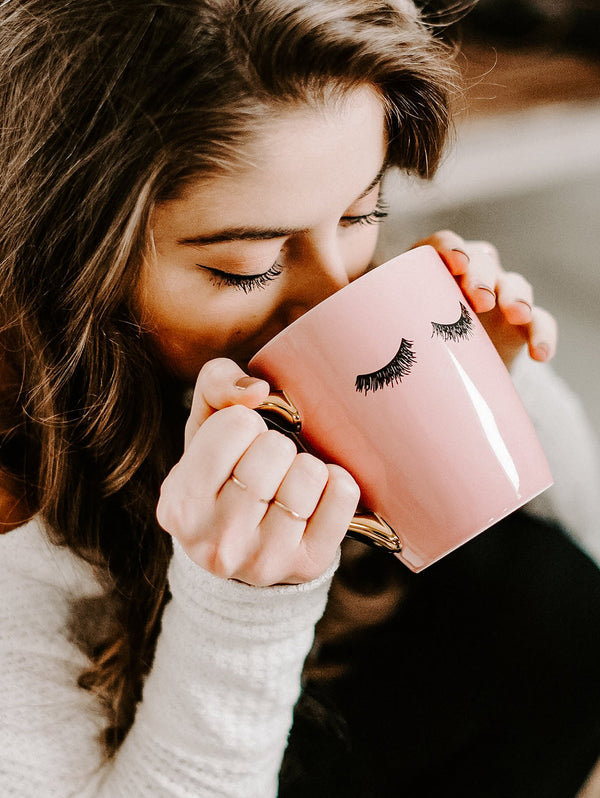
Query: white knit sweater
[218, 702]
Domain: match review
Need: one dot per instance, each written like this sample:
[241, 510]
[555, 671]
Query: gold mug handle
[279, 405]
[366, 526]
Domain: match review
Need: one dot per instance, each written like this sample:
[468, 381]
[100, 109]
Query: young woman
[180, 181]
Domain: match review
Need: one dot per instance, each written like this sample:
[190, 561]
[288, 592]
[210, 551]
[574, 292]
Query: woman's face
[239, 257]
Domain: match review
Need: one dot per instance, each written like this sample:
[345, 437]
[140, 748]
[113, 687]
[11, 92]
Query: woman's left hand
[503, 300]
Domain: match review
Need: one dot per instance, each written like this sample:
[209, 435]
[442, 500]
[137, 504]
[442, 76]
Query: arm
[572, 451]
[217, 704]
[223, 685]
[248, 582]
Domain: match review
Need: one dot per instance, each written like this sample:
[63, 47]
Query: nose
[319, 271]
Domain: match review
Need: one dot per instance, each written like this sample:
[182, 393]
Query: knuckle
[548, 318]
[222, 554]
[280, 443]
[448, 238]
[212, 385]
[263, 574]
[212, 369]
[312, 467]
[164, 515]
[242, 418]
[517, 277]
[544, 319]
[173, 517]
[180, 514]
[488, 249]
[219, 561]
[315, 562]
[166, 507]
[343, 483]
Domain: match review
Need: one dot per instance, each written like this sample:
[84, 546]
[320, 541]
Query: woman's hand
[243, 503]
[503, 300]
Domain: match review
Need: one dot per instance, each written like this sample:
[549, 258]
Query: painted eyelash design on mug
[458, 330]
[403, 361]
[398, 367]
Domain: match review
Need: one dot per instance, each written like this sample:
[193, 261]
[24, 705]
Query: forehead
[303, 161]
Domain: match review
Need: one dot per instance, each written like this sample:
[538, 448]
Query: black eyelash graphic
[463, 328]
[398, 367]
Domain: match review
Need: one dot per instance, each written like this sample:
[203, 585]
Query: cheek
[192, 324]
[359, 250]
[196, 323]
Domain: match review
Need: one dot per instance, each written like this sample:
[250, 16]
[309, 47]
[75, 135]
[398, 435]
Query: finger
[232, 538]
[300, 492]
[187, 505]
[329, 523]
[515, 298]
[480, 280]
[222, 383]
[216, 448]
[451, 248]
[542, 334]
[259, 473]
[269, 556]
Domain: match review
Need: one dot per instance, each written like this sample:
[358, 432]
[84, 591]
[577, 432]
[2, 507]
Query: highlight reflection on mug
[405, 358]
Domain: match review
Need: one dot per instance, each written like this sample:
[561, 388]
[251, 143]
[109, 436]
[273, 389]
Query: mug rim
[336, 296]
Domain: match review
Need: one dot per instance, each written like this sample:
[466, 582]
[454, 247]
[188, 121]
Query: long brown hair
[106, 109]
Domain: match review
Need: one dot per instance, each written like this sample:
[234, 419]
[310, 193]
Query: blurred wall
[524, 173]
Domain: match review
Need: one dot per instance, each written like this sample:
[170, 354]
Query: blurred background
[524, 172]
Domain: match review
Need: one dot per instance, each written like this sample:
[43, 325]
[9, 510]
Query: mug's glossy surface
[396, 380]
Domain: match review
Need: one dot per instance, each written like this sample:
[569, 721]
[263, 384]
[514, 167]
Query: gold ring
[238, 482]
[243, 486]
[289, 510]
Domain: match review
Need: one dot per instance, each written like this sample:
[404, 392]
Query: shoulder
[28, 555]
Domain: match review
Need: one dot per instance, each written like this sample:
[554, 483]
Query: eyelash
[458, 330]
[248, 283]
[245, 283]
[400, 366]
[376, 216]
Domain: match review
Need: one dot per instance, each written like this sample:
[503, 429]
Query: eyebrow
[261, 233]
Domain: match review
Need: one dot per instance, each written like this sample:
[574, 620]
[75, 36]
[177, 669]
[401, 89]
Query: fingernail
[461, 252]
[246, 382]
[487, 288]
[542, 351]
[524, 302]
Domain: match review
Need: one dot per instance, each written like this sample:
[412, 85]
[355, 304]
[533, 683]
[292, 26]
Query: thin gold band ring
[243, 486]
[289, 510]
[296, 516]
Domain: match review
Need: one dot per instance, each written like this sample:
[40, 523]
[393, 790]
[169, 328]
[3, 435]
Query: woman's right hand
[242, 501]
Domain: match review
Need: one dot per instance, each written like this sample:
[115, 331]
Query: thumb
[222, 383]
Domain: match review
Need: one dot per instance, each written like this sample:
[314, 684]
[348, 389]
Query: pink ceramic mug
[394, 378]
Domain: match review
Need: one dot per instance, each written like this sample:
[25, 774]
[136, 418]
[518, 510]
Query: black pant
[485, 684]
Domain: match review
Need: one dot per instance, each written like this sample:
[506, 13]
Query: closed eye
[376, 216]
[458, 330]
[398, 367]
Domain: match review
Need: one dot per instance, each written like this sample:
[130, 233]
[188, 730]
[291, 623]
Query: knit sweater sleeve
[217, 704]
[571, 447]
